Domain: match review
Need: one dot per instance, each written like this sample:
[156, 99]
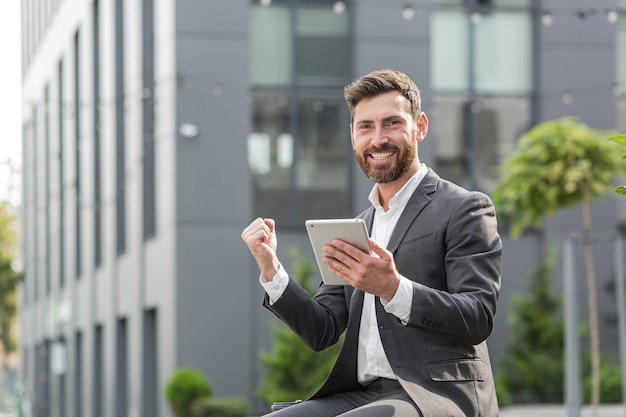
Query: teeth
[382, 155]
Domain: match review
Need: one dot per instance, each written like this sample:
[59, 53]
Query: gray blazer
[446, 241]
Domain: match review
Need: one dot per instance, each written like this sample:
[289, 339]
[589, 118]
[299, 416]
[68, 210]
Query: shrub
[610, 384]
[293, 371]
[184, 388]
[533, 364]
[220, 407]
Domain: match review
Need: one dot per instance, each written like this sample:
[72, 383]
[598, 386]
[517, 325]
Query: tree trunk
[591, 304]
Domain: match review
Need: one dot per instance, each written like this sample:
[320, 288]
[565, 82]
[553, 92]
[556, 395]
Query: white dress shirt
[372, 362]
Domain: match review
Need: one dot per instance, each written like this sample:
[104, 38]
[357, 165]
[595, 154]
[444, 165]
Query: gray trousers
[381, 398]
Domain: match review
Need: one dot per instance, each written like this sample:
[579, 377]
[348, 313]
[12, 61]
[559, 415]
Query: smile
[381, 155]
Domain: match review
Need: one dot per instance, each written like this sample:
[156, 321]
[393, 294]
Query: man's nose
[380, 137]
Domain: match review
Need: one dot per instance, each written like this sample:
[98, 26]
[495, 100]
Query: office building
[155, 130]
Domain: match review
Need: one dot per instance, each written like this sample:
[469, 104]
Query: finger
[271, 224]
[378, 249]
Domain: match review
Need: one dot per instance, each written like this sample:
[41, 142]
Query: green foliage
[218, 407]
[184, 388]
[533, 364]
[557, 164]
[292, 370]
[621, 140]
[502, 390]
[9, 278]
[610, 383]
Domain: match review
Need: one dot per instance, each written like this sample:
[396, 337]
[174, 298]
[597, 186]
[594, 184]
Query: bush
[184, 388]
[293, 371]
[533, 364]
[215, 407]
[610, 385]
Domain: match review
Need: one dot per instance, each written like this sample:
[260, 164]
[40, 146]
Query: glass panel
[322, 157]
[510, 3]
[270, 44]
[449, 50]
[479, 135]
[447, 133]
[503, 53]
[321, 32]
[270, 122]
[500, 121]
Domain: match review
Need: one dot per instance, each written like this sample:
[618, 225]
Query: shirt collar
[402, 197]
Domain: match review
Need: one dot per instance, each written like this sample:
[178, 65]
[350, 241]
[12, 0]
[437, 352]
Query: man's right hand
[260, 237]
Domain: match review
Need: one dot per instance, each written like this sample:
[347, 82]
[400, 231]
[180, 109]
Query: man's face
[385, 136]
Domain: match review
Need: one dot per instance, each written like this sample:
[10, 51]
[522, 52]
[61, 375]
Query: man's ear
[422, 127]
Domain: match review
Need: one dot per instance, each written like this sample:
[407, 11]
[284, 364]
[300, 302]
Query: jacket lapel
[416, 204]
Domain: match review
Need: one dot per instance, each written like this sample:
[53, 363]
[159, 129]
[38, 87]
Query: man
[420, 305]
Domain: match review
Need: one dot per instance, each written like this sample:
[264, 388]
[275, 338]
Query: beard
[389, 172]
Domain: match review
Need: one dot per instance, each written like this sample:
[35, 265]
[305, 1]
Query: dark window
[61, 165]
[98, 371]
[46, 162]
[78, 375]
[481, 66]
[150, 371]
[97, 161]
[299, 146]
[35, 209]
[120, 141]
[121, 386]
[77, 152]
[149, 202]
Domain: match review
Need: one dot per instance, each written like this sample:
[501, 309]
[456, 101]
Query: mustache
[385, 148]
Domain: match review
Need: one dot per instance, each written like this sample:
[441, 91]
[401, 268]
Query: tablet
[323, 231]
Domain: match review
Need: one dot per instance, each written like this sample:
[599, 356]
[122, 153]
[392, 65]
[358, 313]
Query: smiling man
[418, 308]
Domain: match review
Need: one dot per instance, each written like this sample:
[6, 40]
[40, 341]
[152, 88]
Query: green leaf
[620, 190]
[618, 139]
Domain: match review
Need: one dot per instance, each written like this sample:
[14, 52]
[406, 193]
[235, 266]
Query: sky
[10, 98]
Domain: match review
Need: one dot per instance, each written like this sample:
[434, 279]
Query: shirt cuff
[400, 304]
[276, 287]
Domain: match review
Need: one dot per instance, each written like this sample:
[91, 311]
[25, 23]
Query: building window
[77, 155]
[35, 207]
[98, 371]
[78, 374]
[97, 172]
[481, 65]
[149, 188]
[150, 394]
[46, 161]
[61, 165]
[299, 146]
[620, 60]
[121, 386]
[120, 126]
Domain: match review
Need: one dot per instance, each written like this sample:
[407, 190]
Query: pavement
[559, 410]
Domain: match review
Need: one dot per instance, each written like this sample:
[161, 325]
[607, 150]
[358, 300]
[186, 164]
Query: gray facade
[131, 224]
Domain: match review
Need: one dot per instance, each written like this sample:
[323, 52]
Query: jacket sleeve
[464, 309]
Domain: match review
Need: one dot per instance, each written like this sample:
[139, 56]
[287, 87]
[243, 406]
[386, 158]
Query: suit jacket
[446, 241]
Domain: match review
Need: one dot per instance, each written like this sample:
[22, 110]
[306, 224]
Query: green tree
[292, 370]
[557, 164]
[622, 141]
[532, 364]
[9, 278]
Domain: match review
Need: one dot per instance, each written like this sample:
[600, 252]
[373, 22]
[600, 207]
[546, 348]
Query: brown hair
[379, 82]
